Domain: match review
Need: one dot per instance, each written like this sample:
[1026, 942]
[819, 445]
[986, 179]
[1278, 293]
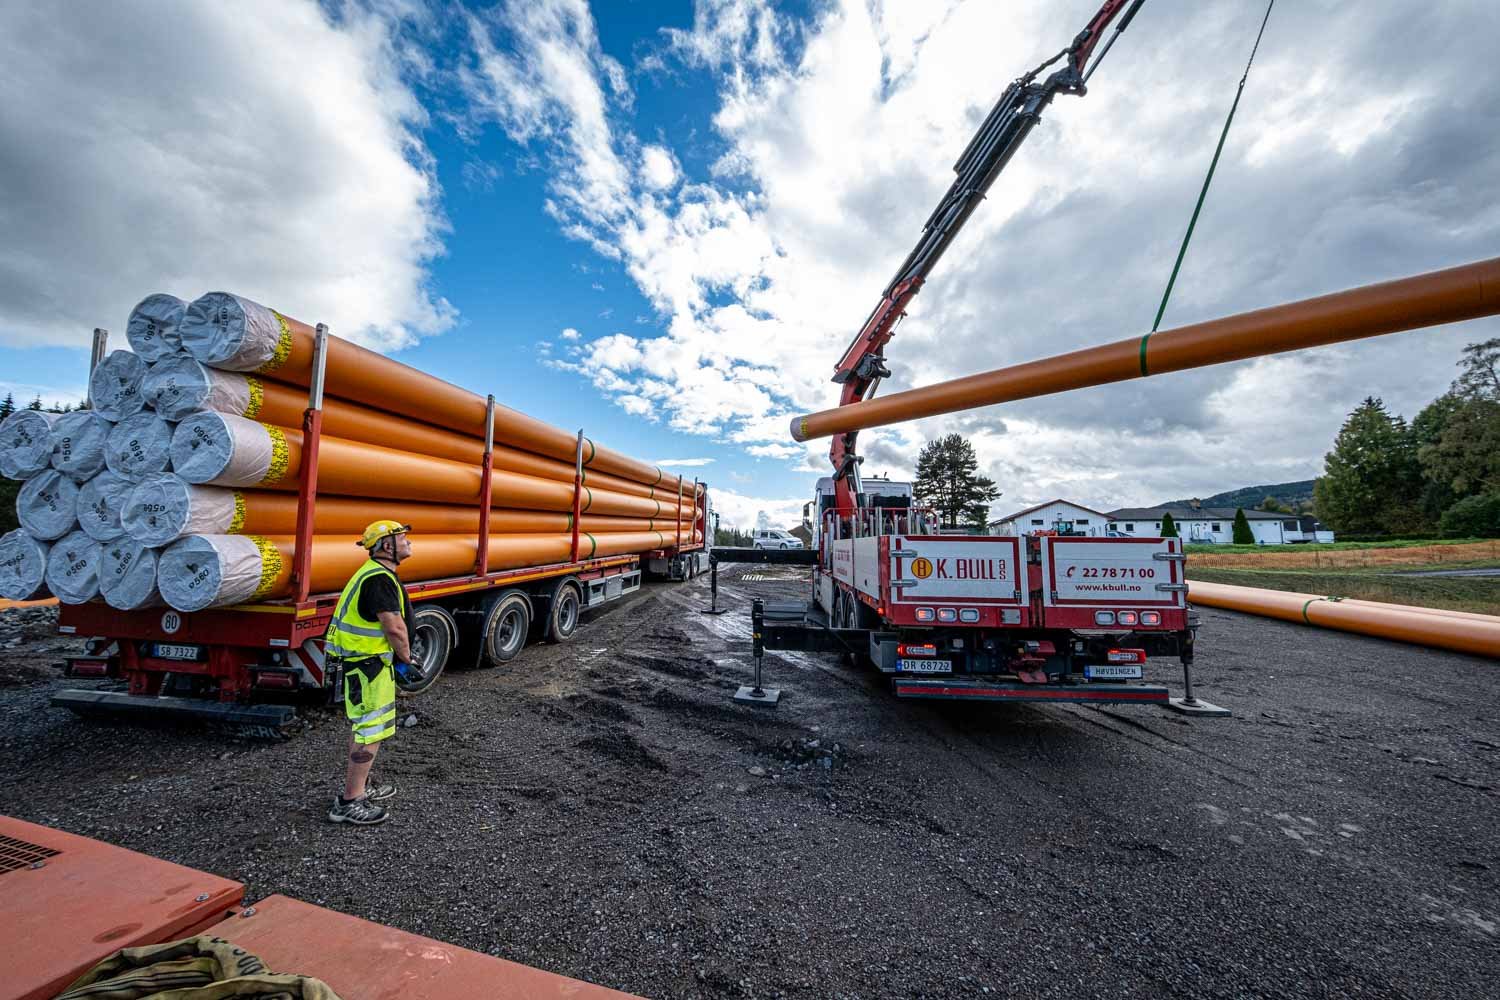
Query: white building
[1045, 517]
[1204, 525]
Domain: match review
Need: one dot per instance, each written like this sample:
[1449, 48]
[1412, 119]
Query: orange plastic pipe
[1458, 293]
[1463, 633]
[434, 557]
[356, 373]
[358, 469]
[276, 403]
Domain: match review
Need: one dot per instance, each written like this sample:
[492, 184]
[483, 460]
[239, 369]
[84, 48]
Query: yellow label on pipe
[283, 346]
[237, 522]
[270, 566]
[280, 459]
[257, 397]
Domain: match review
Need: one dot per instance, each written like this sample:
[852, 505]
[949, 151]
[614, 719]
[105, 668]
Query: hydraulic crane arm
[1009, 123]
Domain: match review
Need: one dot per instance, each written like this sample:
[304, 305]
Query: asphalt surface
[604, 810]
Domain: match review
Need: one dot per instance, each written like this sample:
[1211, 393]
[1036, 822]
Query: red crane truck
[243, 667]
[958, 616]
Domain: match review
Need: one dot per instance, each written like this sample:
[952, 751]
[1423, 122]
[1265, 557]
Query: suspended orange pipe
[203, 571]
[1461, 632]
[230, 332]
[1448, 296]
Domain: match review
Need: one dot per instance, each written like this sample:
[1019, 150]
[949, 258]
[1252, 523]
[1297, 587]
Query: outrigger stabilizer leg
[713, 588]
[757, 695]
[1187, 704]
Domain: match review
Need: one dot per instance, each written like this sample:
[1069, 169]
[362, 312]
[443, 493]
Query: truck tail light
[1126, 656]
[970, 615]
[947, 615]
[1127, 618]
[916, 649]
[926, 615]
[80, 667]
[1150, 617]
[274, 679]
[1104, 617]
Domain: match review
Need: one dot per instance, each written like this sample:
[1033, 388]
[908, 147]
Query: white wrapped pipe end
[73, 569]
[47, 505]
[139, 446]
[100, 502]
[211, 571]
[26, 443]
[229, 332]
[164, 508]
[152, 327]
[78, 442]
[226, 450]
[115, 385]
[23, 566]
[127, 575]
[179, 386]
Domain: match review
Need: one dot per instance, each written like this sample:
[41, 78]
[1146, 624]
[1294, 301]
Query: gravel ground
[604, 810]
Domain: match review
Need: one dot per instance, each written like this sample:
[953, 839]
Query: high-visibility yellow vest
[351, 637]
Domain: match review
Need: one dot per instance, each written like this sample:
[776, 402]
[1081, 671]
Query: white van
[775, 538]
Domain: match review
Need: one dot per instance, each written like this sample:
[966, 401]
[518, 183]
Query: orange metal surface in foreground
[354, 468]
[357, 373]
[46, 602]
[88, 901]
[1461, 632]
[268, 513]
[439, 557]
[1449, 296]
[360, 960]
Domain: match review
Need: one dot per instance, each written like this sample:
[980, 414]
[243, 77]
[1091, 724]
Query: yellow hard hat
[376, 530]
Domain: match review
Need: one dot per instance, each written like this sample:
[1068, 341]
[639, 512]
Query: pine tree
[35, 404]
[1371, 482]
[948, 481]
[8, 405]
[1242, 533]
[1168, 526]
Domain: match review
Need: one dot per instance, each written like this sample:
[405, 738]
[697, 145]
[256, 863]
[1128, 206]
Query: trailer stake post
[482, 555]
[101, 345]
[757, 695]
[577, 492]
[307, 485]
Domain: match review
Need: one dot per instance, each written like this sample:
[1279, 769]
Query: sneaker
[360, 812]
[376, 792]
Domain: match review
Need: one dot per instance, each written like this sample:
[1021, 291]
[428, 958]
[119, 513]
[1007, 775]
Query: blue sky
[663, 221]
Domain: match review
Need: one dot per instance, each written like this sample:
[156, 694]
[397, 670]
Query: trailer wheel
[506, 623]
[565, 609]
[434, 635]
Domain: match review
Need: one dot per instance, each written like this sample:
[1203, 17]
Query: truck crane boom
[862, 365]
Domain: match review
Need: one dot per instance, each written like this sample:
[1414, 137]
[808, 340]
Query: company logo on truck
[960, 569]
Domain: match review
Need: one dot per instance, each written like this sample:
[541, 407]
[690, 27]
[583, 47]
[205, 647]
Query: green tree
[1371, 482]
[1458, 434]
[1274, 505]
[1242, 533]
[1168, 526]
[1473, 517]
[948, 481]
[35, 404]
[1427, 432]
[8, 405]
[1480, 378]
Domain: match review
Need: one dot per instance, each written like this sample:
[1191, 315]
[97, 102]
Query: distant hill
[1248, 496]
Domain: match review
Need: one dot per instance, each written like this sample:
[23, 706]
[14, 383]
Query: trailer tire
[564, 611]
[506, 622]
[434, 636]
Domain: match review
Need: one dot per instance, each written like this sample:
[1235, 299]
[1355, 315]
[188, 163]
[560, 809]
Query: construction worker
[370, 633]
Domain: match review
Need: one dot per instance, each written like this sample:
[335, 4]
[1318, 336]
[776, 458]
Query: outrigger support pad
[1187, 704]
[755, 694]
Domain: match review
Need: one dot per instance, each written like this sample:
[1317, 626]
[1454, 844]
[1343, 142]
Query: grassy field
[1387, 556]
[1477, 594]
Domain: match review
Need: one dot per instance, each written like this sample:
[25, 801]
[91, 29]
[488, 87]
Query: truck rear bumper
[977, 689]
[263, 721]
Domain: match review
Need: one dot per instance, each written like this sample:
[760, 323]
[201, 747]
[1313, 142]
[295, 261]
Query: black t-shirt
[381, 593]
